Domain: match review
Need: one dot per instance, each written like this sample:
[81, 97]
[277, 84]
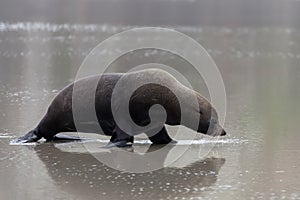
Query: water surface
[258, 159]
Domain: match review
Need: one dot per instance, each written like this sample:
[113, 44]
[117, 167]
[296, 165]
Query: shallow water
[258, 159]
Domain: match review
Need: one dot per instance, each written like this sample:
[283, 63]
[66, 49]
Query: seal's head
[209, 122]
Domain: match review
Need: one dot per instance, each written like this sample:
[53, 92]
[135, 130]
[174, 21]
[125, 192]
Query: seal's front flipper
[118, 144]
[162, 137]
[120, 139]
[29, 137]
[62, 138]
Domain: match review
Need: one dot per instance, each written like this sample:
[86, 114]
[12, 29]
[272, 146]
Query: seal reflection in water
[166, 93]
[82, 175]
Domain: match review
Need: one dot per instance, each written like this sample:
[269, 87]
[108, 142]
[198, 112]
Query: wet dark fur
[59, 117]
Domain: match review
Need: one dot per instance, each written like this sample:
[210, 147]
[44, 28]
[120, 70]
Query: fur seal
[59, 117]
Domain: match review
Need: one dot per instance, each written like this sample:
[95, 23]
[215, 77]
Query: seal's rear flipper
[29, 137]
[62, 138]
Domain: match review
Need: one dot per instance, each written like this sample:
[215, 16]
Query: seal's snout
[223, 132]
[217, 130]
